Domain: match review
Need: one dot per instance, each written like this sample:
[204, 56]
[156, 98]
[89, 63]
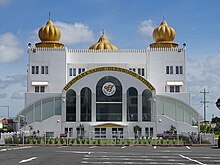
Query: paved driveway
[75, 155]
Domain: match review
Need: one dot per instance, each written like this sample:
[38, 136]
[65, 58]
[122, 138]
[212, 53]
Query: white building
[103, 91]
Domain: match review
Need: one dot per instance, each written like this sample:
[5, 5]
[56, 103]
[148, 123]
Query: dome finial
[163, 18]
[103, 31]
[49, 16]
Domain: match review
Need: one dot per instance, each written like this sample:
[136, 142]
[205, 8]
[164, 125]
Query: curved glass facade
[176, 110]
[109, 99]
[40, 110]
[146, 105]
[86, 104]
[70, 105]
[132, 104]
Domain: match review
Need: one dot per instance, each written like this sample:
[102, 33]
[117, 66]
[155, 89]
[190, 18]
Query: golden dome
[164, 36]
[49, 36]
[103, 44]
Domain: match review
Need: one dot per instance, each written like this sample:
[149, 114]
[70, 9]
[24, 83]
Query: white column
[139, 108]
[124, 107]
[77, 108]
[93, 107]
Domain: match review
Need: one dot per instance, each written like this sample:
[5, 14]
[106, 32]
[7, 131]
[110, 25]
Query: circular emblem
[109, 89]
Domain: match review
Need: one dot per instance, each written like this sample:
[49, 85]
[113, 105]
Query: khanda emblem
[108, 89]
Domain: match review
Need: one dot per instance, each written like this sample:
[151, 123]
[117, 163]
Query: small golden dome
[164, 36]
[49, 32]
[102, 44]
[164, 32]
[49, 35]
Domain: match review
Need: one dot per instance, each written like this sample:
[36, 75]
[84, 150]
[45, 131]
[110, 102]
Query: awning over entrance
[108, 125]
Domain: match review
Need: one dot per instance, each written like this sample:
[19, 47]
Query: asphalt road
[75, 155]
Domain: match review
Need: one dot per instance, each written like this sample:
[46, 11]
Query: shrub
[50, 141]
[16, 139]
[139, 141]
[8, 140]
[39, 140]
[94, 142]
[61, 140]
[83, 141]
[28, 141]
[34, 141]
[87, 141]
[72, 141]
[56, 140]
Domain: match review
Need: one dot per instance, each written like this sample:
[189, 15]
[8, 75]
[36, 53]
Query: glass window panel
[167, 69]
[47, 108]
[46, 69]
[179, 112]
[86, 104]
[70, 105]
[109, 112]
[171, 88]
[37, 89]
[74, 71]
[42, 89]
[177, 88]
[132, 106]
[79, 70]
[146, 105]
[29, 114]
[171, 69]
[29, 117]
[169, 108]
[181, 69]
[42, 69]
[33, 69]
[139, 71]
[70, 71]
[37, 69]
[57, 106]
[151, 131]
[142, 72]
[177, 69]
[38, 111]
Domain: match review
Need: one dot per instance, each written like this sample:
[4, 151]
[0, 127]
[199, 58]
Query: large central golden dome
[103, 44]
[164, 36]
[49, 35]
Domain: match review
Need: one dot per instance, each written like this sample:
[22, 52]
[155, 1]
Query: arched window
[86, 104]
[70, 105]
[132, 104]
[146, 105]
[109, 99]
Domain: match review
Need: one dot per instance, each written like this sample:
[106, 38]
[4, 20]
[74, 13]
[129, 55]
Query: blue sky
[127, 23]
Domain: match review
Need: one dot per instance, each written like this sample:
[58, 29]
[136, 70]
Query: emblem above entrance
[109, 89]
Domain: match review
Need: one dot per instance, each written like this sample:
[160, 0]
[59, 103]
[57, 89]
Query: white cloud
[74, 33]
[3, 95]
[204, 73]
[11, 80]
[18, 94]
[146, 27]
[9, 48]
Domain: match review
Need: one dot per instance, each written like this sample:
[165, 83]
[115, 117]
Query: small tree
[137, 129]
